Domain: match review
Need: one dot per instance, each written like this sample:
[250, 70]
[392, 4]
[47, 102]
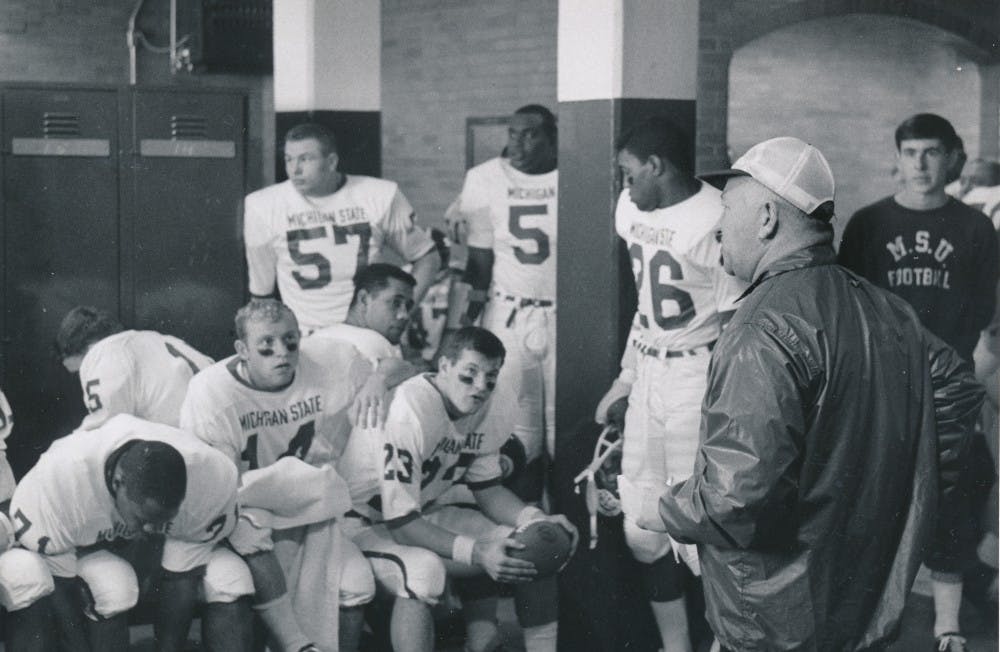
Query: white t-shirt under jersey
[142, 373]
[423, 454]
[256, 427]
[312, 247]
[64, 502]
[514, 214]
[369, 343]
[675, 256]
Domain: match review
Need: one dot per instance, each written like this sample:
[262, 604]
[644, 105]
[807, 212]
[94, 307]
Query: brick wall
[444, 61]
[843, 84]
[725, 25]
[83, 42]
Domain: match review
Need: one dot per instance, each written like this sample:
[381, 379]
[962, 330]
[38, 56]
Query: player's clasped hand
[492, 556]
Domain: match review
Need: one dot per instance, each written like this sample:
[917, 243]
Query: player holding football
[439, 432]
[509, 204]
[271, 400]
[669, 221]
[307, 237]
[142, 373]
[92, 489]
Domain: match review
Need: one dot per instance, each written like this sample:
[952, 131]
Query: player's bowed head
[80, 329]
[148, 483]
[468, 367]
[267, 344]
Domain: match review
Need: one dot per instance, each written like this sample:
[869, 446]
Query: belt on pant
[522, 302]
[663, 354]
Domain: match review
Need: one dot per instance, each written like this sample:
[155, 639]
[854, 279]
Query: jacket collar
[813, 256]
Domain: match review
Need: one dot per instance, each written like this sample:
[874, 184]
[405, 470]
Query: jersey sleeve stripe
[400, 521]
[485, 484]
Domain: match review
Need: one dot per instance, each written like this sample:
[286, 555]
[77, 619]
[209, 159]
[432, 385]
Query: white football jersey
[312, 247]
[6, 474]
[142, 373]
[64, 502]
[675, 256]
[987, 200]
[423, 454]
[6, 421]
[255, 427]
[514, 214]
[369, 343]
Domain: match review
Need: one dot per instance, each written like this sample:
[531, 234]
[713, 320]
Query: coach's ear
[767, 222]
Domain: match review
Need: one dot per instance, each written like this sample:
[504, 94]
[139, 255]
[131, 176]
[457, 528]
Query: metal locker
[187, 183]
[60, 247]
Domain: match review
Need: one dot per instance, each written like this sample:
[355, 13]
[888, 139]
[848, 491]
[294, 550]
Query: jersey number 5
[523, 233]
[322, 263]
[661, 292]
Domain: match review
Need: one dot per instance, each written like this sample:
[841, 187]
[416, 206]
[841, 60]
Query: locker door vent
[187, 127]
[60, 125]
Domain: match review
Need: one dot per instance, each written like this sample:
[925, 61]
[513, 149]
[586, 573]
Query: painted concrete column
[327, 69]
[619, 61]
[989, 111]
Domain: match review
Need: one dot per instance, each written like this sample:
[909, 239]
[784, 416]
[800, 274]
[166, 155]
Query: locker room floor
[918, 620]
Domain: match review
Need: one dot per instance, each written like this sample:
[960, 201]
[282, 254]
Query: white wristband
[461, 549]
[528, 514]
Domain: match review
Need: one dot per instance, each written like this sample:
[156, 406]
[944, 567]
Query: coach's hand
[491, 555]
[371, 403]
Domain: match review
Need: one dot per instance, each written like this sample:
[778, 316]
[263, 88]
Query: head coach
[831, 423]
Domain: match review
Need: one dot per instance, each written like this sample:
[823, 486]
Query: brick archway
[725, 25]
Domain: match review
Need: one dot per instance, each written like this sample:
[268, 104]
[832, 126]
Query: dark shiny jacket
[832, 420]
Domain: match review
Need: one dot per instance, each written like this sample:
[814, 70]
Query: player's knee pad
[410, 572]
[112, 582]
[227, 577]
[646, 546]
[24, 579]
[357, 583]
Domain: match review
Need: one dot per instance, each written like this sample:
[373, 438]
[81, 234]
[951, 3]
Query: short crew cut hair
[153, 470]
[549, 125]
[928, 125]
[83, 326]
[375, 278]
[306, 130]
[472, 338]
[660, 137]
[267, 310]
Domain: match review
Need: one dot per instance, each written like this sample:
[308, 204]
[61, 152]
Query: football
[547, 546]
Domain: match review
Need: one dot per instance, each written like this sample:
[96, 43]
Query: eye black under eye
[292, 346]
[266, 353]
[467, 380]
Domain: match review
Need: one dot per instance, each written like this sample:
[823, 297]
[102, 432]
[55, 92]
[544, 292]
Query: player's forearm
[500, 504]
[175, 609]
[268, 578]
[425, 270]
[422, 534]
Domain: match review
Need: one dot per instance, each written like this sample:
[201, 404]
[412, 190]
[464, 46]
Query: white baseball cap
[791, 168]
